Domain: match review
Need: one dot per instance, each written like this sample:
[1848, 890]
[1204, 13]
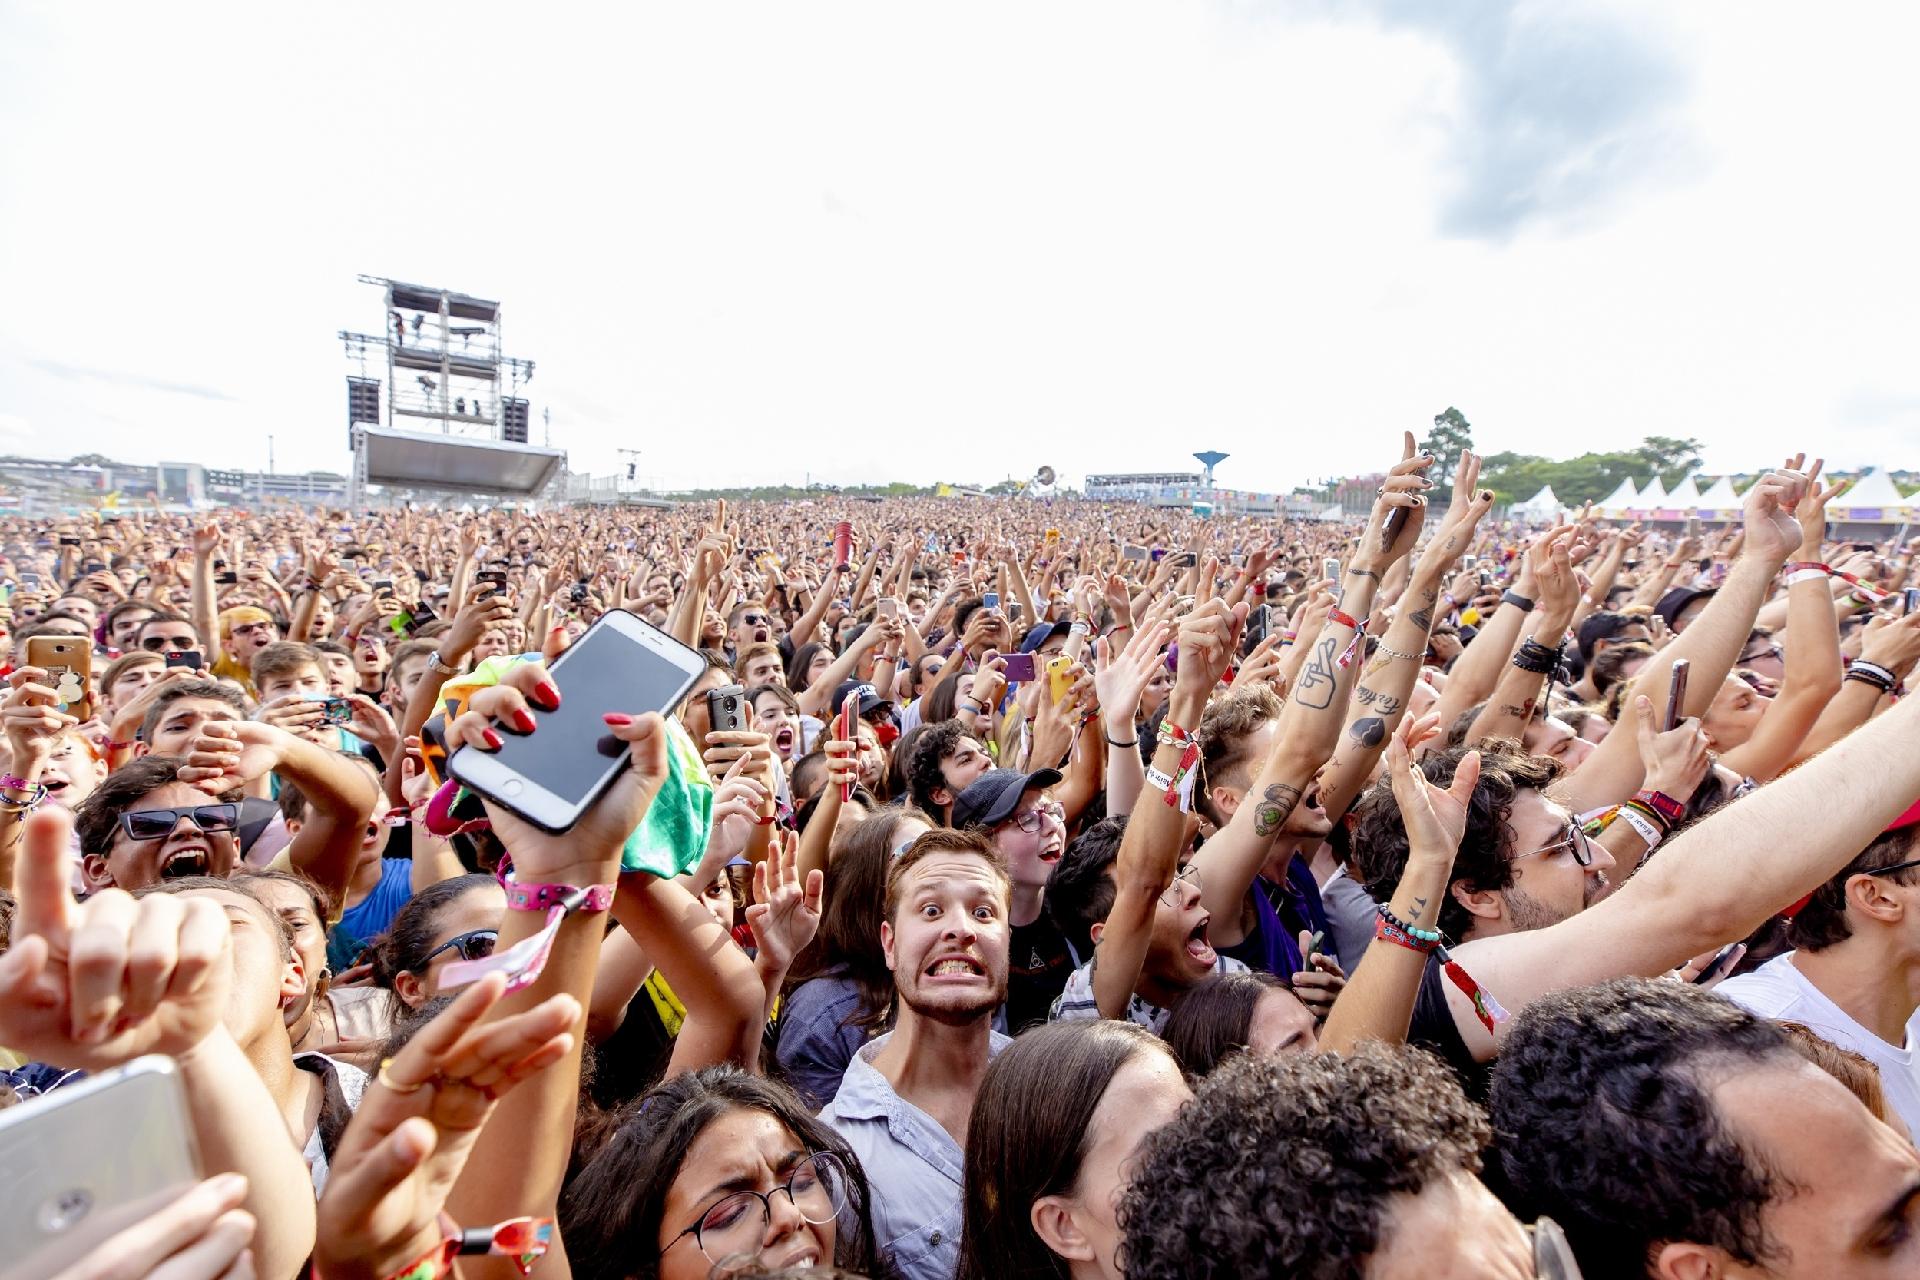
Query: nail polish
[492, 739]
[547, 694]
[523, 720]
[616, 719]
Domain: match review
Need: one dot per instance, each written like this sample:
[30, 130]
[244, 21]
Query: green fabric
[673, 835]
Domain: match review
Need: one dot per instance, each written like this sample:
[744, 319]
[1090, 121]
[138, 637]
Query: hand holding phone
[1019, 667]
[1676, 694]
[620, 665]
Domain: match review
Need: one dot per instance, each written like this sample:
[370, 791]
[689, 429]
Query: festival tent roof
[1872, 497]
[1651, 498]
[1541, 504]
[1620, 501]
[1685, 495]
[1719, 502]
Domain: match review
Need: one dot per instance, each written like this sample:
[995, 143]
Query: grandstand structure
[451, 414]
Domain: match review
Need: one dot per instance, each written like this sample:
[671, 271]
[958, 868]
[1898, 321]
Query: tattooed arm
[1385, 685]
[1510, 709]
[1230, 861]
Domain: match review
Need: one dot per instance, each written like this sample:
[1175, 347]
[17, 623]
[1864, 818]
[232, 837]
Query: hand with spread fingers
[412, 1133]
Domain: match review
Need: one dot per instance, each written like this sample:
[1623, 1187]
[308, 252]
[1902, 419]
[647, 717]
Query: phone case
[1059, 677]
[68, 662]
[85, 1162]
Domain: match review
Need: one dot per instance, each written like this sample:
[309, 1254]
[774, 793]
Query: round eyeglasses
[733, 1228]
[1574, 842]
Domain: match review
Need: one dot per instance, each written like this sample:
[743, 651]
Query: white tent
[1651, 498]
[1332, 515]
[1873, 497]
[1685, 496]
[1719, 502]
[1618, 503]
[1541, 506]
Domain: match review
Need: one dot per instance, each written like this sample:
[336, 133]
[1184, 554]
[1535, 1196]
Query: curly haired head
[1486, 849]
[1606, 1122]
[1285, 1165]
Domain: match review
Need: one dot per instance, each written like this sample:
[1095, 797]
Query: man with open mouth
[904, 1102]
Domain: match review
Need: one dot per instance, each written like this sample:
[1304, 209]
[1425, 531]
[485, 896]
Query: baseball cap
[870, 699]
[992, 797]
[1042, 633]
[1677, 599]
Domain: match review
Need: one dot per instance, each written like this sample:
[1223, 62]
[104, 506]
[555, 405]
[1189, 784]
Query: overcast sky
[895, 241]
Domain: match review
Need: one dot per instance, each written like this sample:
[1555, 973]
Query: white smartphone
[88, 1160]
[554, 775]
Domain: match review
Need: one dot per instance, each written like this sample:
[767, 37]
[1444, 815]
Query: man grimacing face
[947, 943]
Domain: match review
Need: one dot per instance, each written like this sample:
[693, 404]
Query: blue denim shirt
[913, 1165]
[817, 1036]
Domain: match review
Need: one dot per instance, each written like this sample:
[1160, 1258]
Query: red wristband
[544, 897]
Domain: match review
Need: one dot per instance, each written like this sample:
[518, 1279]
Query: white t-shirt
[1778, 990]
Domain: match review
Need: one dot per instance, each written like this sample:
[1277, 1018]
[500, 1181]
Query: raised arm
[1813, 670]
[1718, 880]
[1150, 850]
[1711, 643]
[1378, 1001]
[1512, 705]
[206, 541]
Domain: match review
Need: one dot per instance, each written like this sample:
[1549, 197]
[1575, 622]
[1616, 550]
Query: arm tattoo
[1421, 619]
[1369, 731]
[1317, 683]
[1385, 703]
[1276, 802]
[1364, 573]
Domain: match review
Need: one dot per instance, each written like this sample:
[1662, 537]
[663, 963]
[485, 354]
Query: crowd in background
[1036, 888]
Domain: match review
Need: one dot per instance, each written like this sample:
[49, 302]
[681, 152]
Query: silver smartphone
[553, 776]
[86, 1161]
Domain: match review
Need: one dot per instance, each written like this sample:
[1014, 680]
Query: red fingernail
[547, 694]
[522, 720]
[492, 739]
[617, 720]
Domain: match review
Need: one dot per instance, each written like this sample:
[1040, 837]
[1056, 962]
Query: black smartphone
[1909, 600]
[227, 579]
[727, 708]
[68, 540]
[1391, 526]
[552, 777]
[189, 658]
[383, 586]
[1676, 693]
[1722, 964]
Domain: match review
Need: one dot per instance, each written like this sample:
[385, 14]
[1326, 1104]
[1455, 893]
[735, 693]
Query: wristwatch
[435, 665]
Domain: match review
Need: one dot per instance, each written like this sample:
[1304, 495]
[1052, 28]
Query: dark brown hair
[937, 841]
[1028, 1136]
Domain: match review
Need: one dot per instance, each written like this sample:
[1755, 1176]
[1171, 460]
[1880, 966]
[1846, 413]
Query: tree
[1452, 436]
[1673, 458]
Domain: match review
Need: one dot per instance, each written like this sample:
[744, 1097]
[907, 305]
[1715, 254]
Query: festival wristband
[1649, 833]
[1663, 804]
[526, 959]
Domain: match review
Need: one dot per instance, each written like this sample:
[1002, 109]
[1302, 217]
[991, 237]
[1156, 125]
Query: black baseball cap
[870, 699]
[992, 797]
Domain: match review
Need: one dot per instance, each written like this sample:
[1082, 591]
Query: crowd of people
[1080, 890]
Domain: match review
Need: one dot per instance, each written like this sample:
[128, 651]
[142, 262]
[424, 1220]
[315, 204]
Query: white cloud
[897, 241]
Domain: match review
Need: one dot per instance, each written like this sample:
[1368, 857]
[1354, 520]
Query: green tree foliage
[1452, 436]
[1515, 477]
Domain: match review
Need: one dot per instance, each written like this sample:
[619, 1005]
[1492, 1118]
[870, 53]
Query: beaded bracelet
[1428, 936]
[1860, 669]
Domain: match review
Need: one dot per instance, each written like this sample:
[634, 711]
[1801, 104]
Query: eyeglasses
[160, 644]
[1187, 874]
[732, 1229]
[1030, 821]
[248, 628]
[1898, 866]
[1552, 1256]
[157, 824]
[476, 944]
[1574, 842]
[754, 619]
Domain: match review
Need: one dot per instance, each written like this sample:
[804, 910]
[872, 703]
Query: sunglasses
[160, 644]
[145, 825]
[476, 945]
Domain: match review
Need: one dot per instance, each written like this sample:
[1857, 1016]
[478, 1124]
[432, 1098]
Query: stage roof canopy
[457, 464]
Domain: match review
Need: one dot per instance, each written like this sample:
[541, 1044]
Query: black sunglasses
[158, 824]
[160, 644]
[475, 945]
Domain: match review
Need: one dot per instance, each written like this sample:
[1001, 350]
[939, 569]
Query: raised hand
[1436, 817]
[1772, 532]
[233, 752]
[1676, 760]
[91, 985]
[784, 916]
[1121, 679]
[413, 1130]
